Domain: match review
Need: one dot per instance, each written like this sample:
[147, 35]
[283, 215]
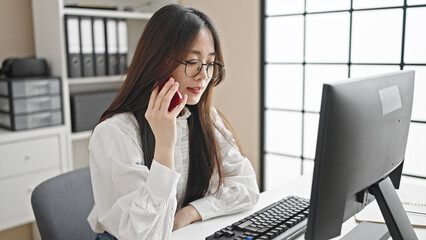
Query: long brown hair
[169, 35]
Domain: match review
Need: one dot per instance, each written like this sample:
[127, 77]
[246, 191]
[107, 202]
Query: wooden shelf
[107, 13]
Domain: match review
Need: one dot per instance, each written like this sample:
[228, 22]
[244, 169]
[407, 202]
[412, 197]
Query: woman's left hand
[186, 216]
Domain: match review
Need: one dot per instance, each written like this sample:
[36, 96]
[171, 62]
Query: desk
[299, 187]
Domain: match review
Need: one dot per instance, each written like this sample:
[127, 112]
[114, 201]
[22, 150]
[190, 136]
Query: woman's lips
[196, 90]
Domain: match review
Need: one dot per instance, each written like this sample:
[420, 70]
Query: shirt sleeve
[239, 191]
[131, 201]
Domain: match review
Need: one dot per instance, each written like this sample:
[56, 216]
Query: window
[308, 42]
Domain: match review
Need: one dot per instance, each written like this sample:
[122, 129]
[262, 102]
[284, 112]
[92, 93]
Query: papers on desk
[413, 198]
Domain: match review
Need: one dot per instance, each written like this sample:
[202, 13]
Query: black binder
[87, 46]
[112, 46]
[122, 46]
[72, 27]
[99, 46]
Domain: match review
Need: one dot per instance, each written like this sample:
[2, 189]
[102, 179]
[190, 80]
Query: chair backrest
[61, 206]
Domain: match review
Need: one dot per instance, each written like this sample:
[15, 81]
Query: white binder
[112, 46]
[73, 46]
[99, 46]
[87, 46]
[122, 46]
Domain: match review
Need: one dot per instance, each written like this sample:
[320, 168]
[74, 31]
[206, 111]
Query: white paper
[390, 98]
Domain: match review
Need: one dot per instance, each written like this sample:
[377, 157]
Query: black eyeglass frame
[221, 67]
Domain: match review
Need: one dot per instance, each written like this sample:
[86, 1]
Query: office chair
[61, 206]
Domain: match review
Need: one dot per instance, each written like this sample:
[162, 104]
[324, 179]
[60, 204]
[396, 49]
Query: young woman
[154, 171]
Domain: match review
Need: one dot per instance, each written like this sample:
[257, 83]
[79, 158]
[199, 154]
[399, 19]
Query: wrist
[164, 144]
[164, 156]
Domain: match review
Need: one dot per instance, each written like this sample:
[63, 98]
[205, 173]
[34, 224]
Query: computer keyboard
[284, 219]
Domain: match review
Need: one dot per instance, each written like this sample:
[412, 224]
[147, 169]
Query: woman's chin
[192, 101]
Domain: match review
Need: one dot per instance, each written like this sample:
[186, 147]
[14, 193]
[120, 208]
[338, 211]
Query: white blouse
[134, 202]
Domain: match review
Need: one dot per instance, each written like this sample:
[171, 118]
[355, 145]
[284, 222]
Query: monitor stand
[372, 230]
[396, 218]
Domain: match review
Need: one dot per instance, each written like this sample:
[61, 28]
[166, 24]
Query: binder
[99, 46]
[87, 46]
[122, 46]
[73, 46]
[112, 46]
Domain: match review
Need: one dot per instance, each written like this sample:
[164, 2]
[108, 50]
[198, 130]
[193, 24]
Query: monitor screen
[362, 137]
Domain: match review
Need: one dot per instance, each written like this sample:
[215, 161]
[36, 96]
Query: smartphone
[176, 99]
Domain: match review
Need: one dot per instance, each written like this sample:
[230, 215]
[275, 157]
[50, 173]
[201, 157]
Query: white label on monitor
[390, 98]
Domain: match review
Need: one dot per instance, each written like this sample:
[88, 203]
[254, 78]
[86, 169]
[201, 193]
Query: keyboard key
[218, 234]
[289, 224]
[244, 224]
[251, 229]
[270, 235]
[283, 226]
[228, 233]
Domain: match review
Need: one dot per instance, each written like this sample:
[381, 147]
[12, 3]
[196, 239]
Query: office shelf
[95, 80]
[50, 39]
[107, 13]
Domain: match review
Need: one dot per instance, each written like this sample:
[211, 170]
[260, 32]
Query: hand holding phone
[177, 97]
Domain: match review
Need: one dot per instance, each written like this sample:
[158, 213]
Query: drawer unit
[29, 105]
[33, 120]
[15, 203]
[28, 87]
[30, 155]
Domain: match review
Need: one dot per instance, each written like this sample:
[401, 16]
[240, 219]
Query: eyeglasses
[194, 66]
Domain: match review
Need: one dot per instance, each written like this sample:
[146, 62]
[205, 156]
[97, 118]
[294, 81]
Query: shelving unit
[33, 156]
[49, 26]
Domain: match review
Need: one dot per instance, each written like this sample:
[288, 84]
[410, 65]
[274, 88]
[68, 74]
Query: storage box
[87, 108]
[29, 121]
[30, 105]
[28, 87]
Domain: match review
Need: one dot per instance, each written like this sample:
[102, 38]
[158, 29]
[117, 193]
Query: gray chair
[61, 206]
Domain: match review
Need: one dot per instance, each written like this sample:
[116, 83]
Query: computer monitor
[362, 137]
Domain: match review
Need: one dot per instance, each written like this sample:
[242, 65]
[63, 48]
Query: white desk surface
[299, 187]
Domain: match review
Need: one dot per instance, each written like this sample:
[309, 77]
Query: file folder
[122, 46]
[99, 46]
[112, 46]
[73, 46]
[87, 46]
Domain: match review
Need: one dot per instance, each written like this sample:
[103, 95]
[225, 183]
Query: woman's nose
[203, 73]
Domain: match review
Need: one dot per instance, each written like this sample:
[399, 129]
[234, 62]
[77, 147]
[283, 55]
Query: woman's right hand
[163, 122]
